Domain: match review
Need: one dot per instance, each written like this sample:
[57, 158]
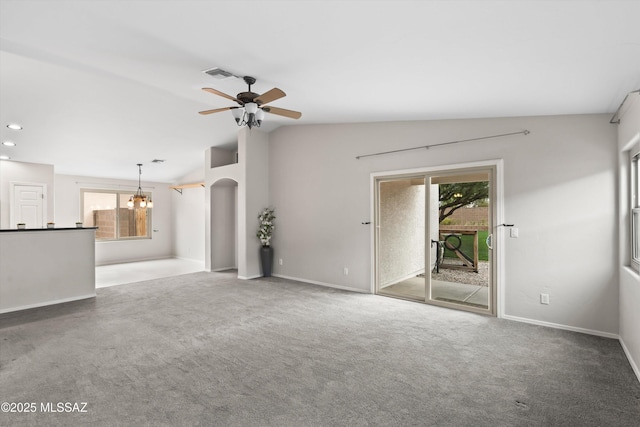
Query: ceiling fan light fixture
[259, 116]
[251, 107]
[251, 121]
[237, 114]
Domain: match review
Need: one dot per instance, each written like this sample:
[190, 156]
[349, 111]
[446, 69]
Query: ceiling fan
[252, 105]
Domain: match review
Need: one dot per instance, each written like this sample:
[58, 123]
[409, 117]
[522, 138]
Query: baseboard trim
[223, 269]
[187, 259]
[328, 285]
[248, 277]
[402, 278]
[560, 326]
[128, 261]
[44, 304]
[632, 362]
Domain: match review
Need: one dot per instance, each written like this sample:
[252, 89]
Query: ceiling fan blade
[269, 96]
[217, 110]
[283, 112]
[217, 92]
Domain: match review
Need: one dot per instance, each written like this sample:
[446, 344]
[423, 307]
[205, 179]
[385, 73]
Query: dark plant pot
[266, 258]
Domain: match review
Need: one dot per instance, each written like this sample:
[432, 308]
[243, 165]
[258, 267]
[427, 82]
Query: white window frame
[118, 193]
[634, 203]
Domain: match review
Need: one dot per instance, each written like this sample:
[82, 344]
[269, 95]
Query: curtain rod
[613, 120]
[524, 132]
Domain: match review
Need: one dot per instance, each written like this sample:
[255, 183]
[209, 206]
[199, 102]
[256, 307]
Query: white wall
[402, 221]
[188, 218]
[628, 134]
[67, 212]
[559, 188]
[33, 173]
[253, 197]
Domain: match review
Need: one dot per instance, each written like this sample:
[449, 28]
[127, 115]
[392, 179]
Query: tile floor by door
[131, 272]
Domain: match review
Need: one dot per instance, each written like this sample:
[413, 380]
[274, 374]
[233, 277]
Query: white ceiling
[102, 85]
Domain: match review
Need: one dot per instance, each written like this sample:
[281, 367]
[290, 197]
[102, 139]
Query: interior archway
[224, 225]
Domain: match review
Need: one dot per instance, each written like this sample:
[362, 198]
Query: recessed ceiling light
[3, 157]
[14, 126]
[9, 144]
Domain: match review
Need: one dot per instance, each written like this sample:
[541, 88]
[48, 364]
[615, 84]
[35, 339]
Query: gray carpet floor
[206, 349]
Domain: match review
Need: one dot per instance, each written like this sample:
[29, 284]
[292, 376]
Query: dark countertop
[4, 230]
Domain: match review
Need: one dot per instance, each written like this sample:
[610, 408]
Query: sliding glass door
[433, 238]
[401, 237]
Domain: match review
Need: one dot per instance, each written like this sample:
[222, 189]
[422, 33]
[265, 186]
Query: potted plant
[21, 226]
[51, 225]
[265, 231]
[79, 224]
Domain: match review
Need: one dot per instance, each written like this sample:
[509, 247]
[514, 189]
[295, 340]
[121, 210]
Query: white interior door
[29, 205]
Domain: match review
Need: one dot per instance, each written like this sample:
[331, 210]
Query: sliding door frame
[498, 219]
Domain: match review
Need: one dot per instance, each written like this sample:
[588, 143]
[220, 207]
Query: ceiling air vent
[218, 73]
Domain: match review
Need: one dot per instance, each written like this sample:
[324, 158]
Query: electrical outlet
[345, 271]
[513, 232]
[280, 261]
[544, 298]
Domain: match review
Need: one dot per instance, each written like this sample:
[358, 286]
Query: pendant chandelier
[139, 200]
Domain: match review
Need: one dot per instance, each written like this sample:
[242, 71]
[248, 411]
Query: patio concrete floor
[414, 288]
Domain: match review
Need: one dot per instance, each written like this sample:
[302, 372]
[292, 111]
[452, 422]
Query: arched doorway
[224, 225]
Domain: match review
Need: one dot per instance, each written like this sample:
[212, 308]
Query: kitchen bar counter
[5, 230]
[45, 266]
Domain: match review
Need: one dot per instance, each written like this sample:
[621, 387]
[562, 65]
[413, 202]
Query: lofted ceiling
[102, 85]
